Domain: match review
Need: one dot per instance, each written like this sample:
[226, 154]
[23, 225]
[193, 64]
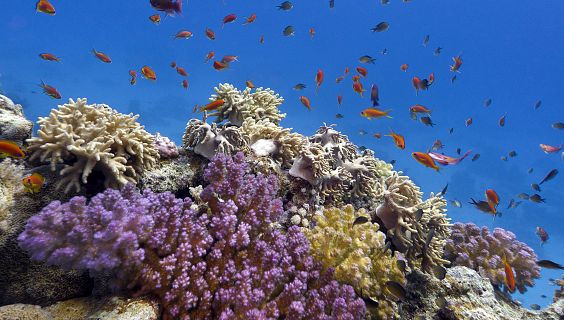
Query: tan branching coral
[94, 137]
[242, 105]
[366, 175]
[11, 176]
[356, 251]
[311, 164]
[418, 228]
[335, 144]
[209, 140]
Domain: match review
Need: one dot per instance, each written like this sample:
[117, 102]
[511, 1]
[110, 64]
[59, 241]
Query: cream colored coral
[335, 144]
[94, 137]
[209, 140]
[11, 176]
[311, 164]
[356, 252]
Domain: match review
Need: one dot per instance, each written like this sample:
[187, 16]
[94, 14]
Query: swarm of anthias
[485, 252]
[218, 257]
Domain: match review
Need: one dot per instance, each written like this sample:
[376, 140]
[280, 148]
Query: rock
[107, 308]
[174, 175]
[13, 124]
[464, 294]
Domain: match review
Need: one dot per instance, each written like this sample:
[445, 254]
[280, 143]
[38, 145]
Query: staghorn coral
[482, 250]
[89, 138]
[167, 148]
[410, 221]
[241, 105]
[217, 258]
[357, 254]
[209, 140]
[11, 176]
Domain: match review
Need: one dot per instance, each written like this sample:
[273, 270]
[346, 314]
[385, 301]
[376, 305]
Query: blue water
[512, 53]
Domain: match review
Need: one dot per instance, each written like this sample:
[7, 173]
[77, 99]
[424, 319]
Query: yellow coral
[356, 253]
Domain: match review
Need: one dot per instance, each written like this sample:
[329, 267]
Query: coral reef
[559, 293]
[11, 176]
[219, 257]
[209, 140]
[465, 295]
[417, 228]
[356, 251]
[167, 148]
[89, 138]
[13, 124]
[483, 251]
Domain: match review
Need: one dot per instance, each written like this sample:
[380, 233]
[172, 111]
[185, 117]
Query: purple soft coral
[166, 147]
[483, 251]
[219, 259]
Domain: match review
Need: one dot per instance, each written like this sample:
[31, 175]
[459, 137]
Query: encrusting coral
[356, 251]
[209, 140]
[417, 228]
[167, 148]
[483, 251]
[89, 138]
[11, 175]
[215, 258]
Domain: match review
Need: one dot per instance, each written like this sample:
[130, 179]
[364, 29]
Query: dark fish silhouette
[380, 27]
[549, 176]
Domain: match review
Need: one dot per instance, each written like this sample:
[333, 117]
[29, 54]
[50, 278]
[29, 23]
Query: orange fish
[370, 113]
[49, 57]
[214, 105]
[493, 200]
[311, 32]
[249, 84]
[509, 276]
[229, 18]
[10, 149]
[133, 75]
[210, 34]
[419, 109]
[251, 19]
[148, 73]
[50, 91]
[183, 34]
[416, 84]
[181, 71]
[185, 84]
[357, 87]
[305, 101]
[399, 140]
[340, 100]
[173, 64]
[318, 79]
[549, 149]
[210, 56]
[261, 39]
[33, 183]
[468, 121]
[362, 71]
[217, 65]
[339, 79]
[457, 64]
[425, 160]
[404, 67]
[431, 78]
[228, 59]
[156, 18]
[101, 56]
[502, 121]
[45, 7]
[346, 71]
[355, 78]
[377, 135]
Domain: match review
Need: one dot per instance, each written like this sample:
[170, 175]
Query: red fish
[133, 75]
[399, 140]
[311, 32]
[355, 78]
[370, 113]
[45, 7]
[357, 87]
[346, 71]
[468, 121]
[156, 18]
[101, 56]
[185, 84]
[210, 56]
[181, 71]
[340, 100]
[502, 121]
[457, 64]
[446, 160]
[416, 82]
[404, 67]
[33, 183]
[374, 97]
[419, 109]
[543, 235]
[549, 149]
[210, 34]
[509, 275]
[318, 79]
[229, 59]
[183, 34]
[249, 84]
[170, 7]
[229, 18]
[250, 19]
[50, 91]
[425, 160]
[218, 65]
[339, 79]
[305, 101]
[362, 71]
[10, 149]
[214, 105]
[493, 200]
[49, 57]
[148, 73]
